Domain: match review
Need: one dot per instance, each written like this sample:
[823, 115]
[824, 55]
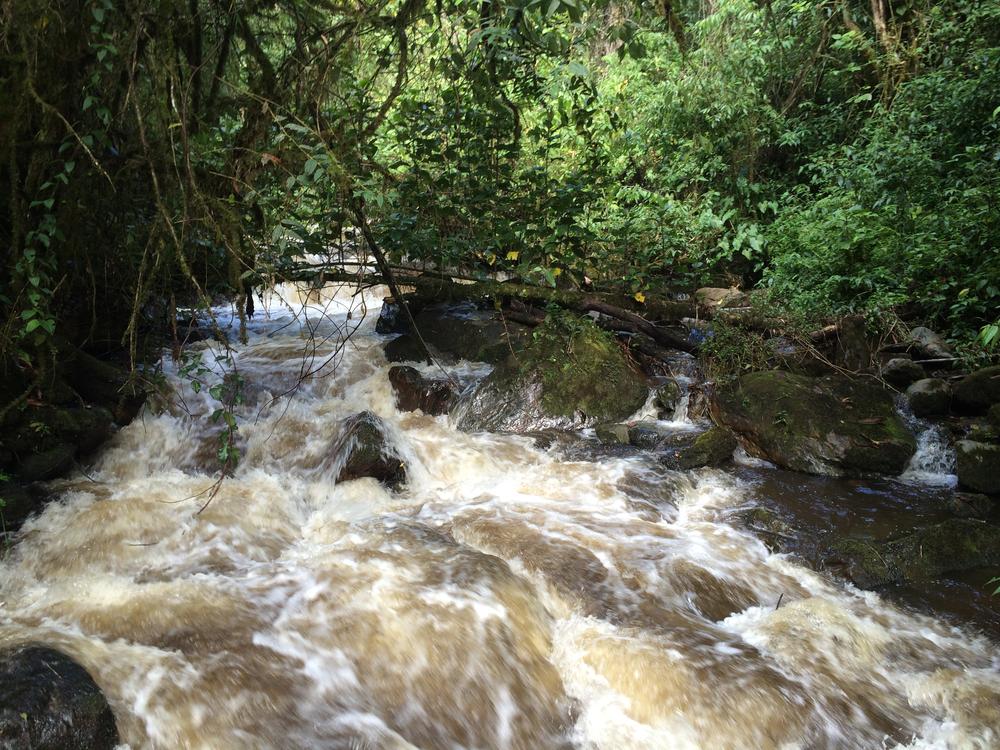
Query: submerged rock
[48, 701]
[615, 433]
[414, 391]
[900, 372]
[363, 451]
[951, 546]
[929, 397]
[572, 375]
[978, 392]
[827, 425]
[978, 466]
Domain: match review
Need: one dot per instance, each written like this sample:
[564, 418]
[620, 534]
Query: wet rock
[668, 394]
[40, 428]
[970, 505]
[929, 397]
[983, 432]
[459, 331]
[414, 391]
[978, 466]
[391, 318]
[613, 433]
[572, 375]
[363, 451]
[951, 546]
[927, 344]
[48, 464]
[17, 504]
[978, 392]
[646, 434]
[767, 524]
[900, 372]
[49, 702]
[713, 447]
[827, 425]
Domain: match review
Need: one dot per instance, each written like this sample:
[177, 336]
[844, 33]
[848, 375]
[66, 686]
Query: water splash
[504, 598]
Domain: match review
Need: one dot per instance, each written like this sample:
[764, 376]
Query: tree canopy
[160, 153]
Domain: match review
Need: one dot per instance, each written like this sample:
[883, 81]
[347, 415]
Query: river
[507, 597]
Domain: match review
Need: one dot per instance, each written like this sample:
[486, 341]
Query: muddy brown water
[510, 596]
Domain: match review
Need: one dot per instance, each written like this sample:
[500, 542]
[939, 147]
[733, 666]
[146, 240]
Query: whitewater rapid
[506, 597]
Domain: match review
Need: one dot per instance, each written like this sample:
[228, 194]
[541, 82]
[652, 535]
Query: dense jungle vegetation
[842, 154]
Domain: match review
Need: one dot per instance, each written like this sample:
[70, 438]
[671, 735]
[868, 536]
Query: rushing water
[507, 597]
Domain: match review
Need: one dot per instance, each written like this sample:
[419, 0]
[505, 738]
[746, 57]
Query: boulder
[899, 372]
[362, 450]
[458, 331]
[954, 545]
[647, 434]
[39, 467]
[719, 297]
[49, 702]
[391, 318]
[978, 392]
[978, 466]
[572, 375]
[414, 391]
[993, 415]
[970, 505]
[713, 447]
[928, 345]
[929, 397]
[828, 425]
[614, 433]
[668, 395]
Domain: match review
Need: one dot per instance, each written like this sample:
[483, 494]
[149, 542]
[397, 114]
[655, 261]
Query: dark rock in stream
[713, 448]
[456, 331]
[899, 372]
[929, 397]
[954, 545]
[414, 391]
[49, 702]
[978, 466]
[827, 425]
[572, 375]
[978, 392]
[364, 451]
[928, 345]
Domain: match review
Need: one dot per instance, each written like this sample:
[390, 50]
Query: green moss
[817, 425]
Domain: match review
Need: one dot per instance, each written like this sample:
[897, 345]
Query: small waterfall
[933, 464]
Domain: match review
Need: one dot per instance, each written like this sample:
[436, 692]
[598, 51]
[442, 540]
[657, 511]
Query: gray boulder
[976, 393]
[899, 372]
[929, 397]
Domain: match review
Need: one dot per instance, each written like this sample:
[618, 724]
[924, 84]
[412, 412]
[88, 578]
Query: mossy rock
[614, 433]
[711, 448]
[571, 375]
[952, 546]
[978, 466]
[978, 392]
[828, 425]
